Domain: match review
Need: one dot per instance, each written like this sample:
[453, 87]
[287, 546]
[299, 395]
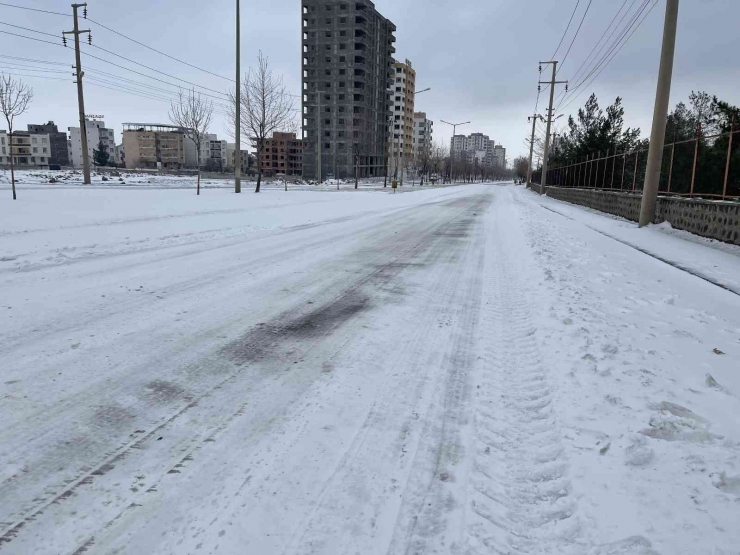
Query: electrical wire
[576, 35]
[618, 50]
[38, 76]
[32, 60]
[27, 29]
[30, 38]
[34, 9]
[566, 30]
[159, 51]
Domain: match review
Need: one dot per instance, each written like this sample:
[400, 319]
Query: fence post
[670, 169]
[634, 177]
[696, 156]
[606, 162]
[624, 167]
[729, 157]
[614, 165]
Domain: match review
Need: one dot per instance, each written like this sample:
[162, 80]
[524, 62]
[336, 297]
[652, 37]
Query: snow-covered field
[463, 370]
[58, 179]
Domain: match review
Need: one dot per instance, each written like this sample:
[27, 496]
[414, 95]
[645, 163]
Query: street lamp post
[454, 132]
[403, 135]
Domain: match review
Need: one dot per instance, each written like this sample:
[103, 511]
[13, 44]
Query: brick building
[282, 154]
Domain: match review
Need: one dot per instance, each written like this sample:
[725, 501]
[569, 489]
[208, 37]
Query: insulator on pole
[64, 41]
[84, 12]
[89, 38]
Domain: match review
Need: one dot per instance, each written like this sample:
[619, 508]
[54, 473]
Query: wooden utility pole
[80, 95]
[552, 83]
[660, 116]
[238, 122]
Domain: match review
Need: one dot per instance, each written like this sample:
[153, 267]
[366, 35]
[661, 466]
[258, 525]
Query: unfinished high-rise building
[348, 52]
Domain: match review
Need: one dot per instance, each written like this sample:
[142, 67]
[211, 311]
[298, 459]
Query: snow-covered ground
[58, 179]
[463, 370]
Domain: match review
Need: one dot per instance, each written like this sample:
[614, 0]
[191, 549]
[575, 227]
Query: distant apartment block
[96, 132]
[402, 116]
[422, 134]
[29, 150]
[213, 155]
[499, 156]
[154, 146]
[478, 147]
[281, 154]
[58, 147]
[347, 57]
[247, 161]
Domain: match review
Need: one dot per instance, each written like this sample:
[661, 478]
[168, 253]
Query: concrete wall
[713, 219]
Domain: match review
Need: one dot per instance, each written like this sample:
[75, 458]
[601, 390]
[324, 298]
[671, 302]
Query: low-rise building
[97, 132]
[247, 159]
[281, 154]
[213, 153]
[153, 146]
[29, 150]
[58, 147]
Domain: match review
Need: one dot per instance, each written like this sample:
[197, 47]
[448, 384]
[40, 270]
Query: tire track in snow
[520, 498]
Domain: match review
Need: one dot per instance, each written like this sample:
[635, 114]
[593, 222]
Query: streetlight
[402, 144]
[454, 132]
[238, 101]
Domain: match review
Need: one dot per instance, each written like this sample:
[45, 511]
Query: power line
[630, 24]
[32, 68]
[594, 51]
[32, 60]
[27, 29]
[576, 35]
[34, 9]
[38, 76]
[566, 30]
[634, 30]
[159, 51]
[31, 38]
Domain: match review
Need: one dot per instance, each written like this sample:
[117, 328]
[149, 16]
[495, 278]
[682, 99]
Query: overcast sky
[480, 57]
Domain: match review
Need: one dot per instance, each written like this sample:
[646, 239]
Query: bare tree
[14, 100]
[193, 114]
[423, 160]
[266, 107]
[521, 165]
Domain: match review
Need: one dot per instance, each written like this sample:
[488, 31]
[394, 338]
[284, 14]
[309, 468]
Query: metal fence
[705, 166]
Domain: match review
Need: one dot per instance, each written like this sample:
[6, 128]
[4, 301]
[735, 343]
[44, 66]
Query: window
[327, 122]
[328, 72]
[342, 84]
[342, 33]
[328, 34]
[342, 71]
[341, 97]
[342, 47]
[35, 150]
[342, 20]
[342, 58]
[328, 20]
[327, 146]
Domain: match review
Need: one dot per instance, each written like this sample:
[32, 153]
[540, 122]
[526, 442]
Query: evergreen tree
[100, 155]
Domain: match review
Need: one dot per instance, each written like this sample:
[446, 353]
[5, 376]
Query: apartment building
[153, 146]
[96, 132]
[475, 147]
[58, 147]
[402, 90]
[247, 160]
[499, 157]
[281, 154]
[422, 138]
[213, 153]
[29, 150]
[347, 56]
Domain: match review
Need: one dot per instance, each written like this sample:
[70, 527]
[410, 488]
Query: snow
[460, 370]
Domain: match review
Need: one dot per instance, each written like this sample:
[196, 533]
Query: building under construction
[348, 52]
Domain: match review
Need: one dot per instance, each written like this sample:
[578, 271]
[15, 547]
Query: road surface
[443, 375]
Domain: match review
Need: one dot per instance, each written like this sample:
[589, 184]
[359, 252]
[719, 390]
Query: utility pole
[80, 95]
[660, 115]
[533, 119]
[238, 122]
[552, 83]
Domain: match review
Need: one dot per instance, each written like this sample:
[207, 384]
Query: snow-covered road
[467, 370]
